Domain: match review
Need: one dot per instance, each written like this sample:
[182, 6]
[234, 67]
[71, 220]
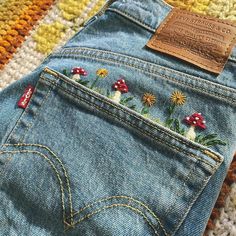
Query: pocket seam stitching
[137, 211]
[123, 197]
[147, 133]
[52, 166]
[58, 160]
[150, 71]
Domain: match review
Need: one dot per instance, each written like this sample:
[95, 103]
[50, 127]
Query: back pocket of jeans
[123, 165]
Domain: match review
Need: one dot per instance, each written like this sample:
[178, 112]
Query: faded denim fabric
[74, 162]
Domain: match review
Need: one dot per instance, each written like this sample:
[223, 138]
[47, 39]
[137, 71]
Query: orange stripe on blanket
[14, 29]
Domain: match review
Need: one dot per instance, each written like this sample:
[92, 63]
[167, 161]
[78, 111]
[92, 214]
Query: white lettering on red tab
[25, 98]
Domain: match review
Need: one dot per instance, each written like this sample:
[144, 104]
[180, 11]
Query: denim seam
[219, 96]
[61, 164]
[15, 129]
[123, 197]
[3, 166]
[191, 172]
[133, 19]
[118, 205]
[55, 170]
[34, 115]
[125, 109]
[137, 20]
[205, 181]
[141, 61]
[142, 131]
[151, 64]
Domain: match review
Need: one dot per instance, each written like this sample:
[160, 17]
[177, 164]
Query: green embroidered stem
[64, 72]
[145, 110]
[94, 82]
[169, 119]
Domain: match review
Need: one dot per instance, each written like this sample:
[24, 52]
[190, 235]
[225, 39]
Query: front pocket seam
[146, 132]
[211, 155]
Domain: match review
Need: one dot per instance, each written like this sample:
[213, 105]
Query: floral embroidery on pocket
[148, 101]
[177, 99]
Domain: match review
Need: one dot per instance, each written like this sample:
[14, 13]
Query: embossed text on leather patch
[201, 40]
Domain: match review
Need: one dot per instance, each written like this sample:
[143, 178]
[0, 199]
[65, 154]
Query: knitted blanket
[31, 29]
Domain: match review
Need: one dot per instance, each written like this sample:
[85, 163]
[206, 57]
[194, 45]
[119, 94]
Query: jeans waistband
[149, 14]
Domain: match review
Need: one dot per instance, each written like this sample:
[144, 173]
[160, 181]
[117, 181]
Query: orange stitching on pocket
[124, 197]
[117, 205]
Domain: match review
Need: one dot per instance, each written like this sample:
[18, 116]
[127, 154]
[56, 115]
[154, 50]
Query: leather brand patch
[201, 40]
[25, 98]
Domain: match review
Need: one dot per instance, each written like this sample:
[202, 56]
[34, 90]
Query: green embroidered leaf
[157, 120]
[215, 142]
[169, 122]
[83, 82]
[198, 138]
[146, 115]
[144, 111]
[64, 72]
[132, 107]
[182, 131]
[177, 125]
[209, 137]
[108, 93]
[128, 99]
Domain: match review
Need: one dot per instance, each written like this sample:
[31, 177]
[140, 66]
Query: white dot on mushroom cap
[115, 86]
[187, 118]
[194, 122]
[204, 122]
[199, 114]
[123, 80]
[196, 118]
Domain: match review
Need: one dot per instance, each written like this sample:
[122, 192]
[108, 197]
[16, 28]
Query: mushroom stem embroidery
[121, 87]
[101, 73]
[196, 120]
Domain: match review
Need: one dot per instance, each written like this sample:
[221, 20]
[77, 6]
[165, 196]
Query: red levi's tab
[25, 98]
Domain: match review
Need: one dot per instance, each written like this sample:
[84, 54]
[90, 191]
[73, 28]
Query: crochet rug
[31, 29]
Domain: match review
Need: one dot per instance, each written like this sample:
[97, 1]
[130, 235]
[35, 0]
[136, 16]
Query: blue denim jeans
[84, 158]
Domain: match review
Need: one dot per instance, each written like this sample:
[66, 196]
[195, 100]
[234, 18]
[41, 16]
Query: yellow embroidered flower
[102, 72]
[149, 99]
[178, 98]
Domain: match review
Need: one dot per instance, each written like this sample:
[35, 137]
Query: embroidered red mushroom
[196, 120]
[121, 87]
[77, 72]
